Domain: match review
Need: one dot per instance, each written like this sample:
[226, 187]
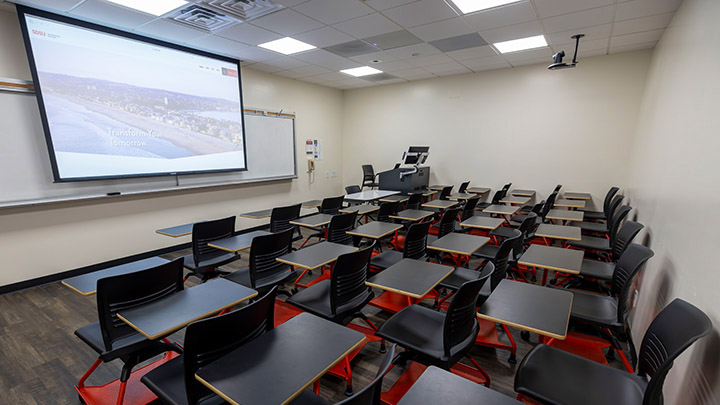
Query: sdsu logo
[37, 32]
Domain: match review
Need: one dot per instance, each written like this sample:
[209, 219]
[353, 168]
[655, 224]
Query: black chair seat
[594, 215]
[590, 226]
[558, 377]
[481, 206]
[308, 397]
[92, 336]
[597, 309]
[504, 232]
[316, 300]
[461, 275]
[168, 383]
[386, 259]
[189, 262]
[487, 251]
[431, 239]
[591, 242]
[597, 269]
[268, 281]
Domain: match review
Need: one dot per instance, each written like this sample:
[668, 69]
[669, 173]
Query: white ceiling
[611, 26]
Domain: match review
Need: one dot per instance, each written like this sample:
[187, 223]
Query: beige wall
[35, 242]
[674, 186]
[530, 126]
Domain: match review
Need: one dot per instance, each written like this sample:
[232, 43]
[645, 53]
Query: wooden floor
[41, 359]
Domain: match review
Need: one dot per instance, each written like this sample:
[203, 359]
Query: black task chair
[386, 209]
[557, 188]
[434, 338]
[603, 271]
[528, 225]
[414, 202]
[602, 215]
[263, 271]
[599, 227]
[369, 395]
[445, 226]
[112, 338]
[340, 224]
[463, 187]
[549, 203]
[491, 252]
[280, 218]
[352, 189]
[414, 247]
[330, 206]
[468, 211]
[206, 341]
[603, 245]
[369, 177]
[445, 192]
[499, 195]
[204, 260]
[517, 219]
[553, 376]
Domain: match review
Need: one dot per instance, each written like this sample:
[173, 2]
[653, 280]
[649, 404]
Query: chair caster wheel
[610, 355]
[382, 349]
[512, 359]
[294, 290]
[552, 282]
[348, 391]
[525, 336]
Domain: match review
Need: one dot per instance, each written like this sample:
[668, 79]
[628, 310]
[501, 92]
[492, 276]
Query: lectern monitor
[416, 155]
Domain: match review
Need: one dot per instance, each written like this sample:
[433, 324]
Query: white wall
[674, 182]
[35, 242]
[530, 126]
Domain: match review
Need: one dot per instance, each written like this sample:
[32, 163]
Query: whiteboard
[26, 176]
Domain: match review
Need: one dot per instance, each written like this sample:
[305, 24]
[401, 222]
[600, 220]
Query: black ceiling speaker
[558, 57]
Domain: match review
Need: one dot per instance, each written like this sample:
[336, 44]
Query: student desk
[437, 187]
[440, 204]
[570, 203]
[177, 231]
[316, 255]
[501, 209]
[257, 214]
[477, 190]
[369, 195]
[437, 386]
[395, 198]
[363, 209]
[512, 199]
[86, 284]
[565, 215]
[412, 215]
[485, 223]
[172, 313]
[459, 243]
[577, 196]
[375, 230]
[277, 366]
[561, 232]
[312, 221]
[552, 258]
[531, 308]
[312, 204]
[237, 243]
[461, 196]
[523, 193]
[406, 282]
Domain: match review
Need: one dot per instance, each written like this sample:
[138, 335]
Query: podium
[390, 179]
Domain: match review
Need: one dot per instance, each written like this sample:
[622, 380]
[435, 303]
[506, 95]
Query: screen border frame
[22, 11]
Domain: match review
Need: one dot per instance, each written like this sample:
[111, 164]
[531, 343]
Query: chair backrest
[331, 205]
[339, 225]
[127, 291]
[280, 217]
[506, 188]
[416, 241]
[352, 189]
[623, 238]
[627, 267]
[617, 221]
[526, 227]
[461, 327]
[548, 205]
[499, 195]
[209, 339]
[445, 193]
[608, 198]
[557, 188]
[263, 252]
[207, 232]
[370, 394]
[672, 331]
[502, 257]
[447, 222]
[385, 210]
[368, 173]
[347, 281]
[414, 201]
[463, 187]
[537, 208]
[469, 208]
[613, 207]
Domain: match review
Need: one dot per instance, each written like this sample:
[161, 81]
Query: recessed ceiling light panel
[521, 44]
[361, 71]
[471, 6]
[154, 7]
[287, 46]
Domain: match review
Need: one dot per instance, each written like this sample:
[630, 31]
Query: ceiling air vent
[244, 10]
[202, 18]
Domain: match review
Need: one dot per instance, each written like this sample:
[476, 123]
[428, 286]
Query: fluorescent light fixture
[521, 44]
[154, 7]
[287, 46]
[471, 6]
[361, 71]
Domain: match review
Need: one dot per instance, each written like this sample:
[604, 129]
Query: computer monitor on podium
[416, 155]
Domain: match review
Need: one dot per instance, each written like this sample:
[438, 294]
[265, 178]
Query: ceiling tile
[511, 14]
[287, 22]
[333, 11]
[57, 5]
[551, 8]
[311, 70]
[216, 44]
[332, 76]
[327, 59]
[430, 60]
[289, 73]
[367, 58]
[313, 79]
[414, 50]
[565, 37]
[249, 52]
[326, 36]
[637, 38]
[413, 74]
[524, 30]
[249, 34]
[369, 25]
[420, 13]
[498, 66]
[379, 77]
[591, 45]
[170, 31]
[442, 29]
[265, 68]
[451, 67]
[532, 54]
[633, 47]
[574, 21]
[471, 53]
[286, 62]
[111, 14]
[352, 48]
[453, 72]
[486, 61]
[536, 61]
[642, 24]
[586, 53]
[393, 40]
[392, 66]
[290, 3]
[460, 42]
[381, 5]
[643, 8]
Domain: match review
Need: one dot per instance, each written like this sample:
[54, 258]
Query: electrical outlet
[327, 175]
[333, 174]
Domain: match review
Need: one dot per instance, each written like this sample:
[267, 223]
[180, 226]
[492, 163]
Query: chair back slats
[347, 282]
[353, 189]
[416, 241]
[501, 259]
[210, 231]
[387, 209]
[368, 173]
[209, 339]
[672, 331]
[445, 193]
[263, 252]
[624, 237]
[630, 263]
[499, 195]
[414, 201]
[616, 222]
[469, 208]
[460, 324]
[331, 205]
[608, 199]
[339, 225]
[280, 218]
[127, 291]
[527, 226]
[447, 222]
